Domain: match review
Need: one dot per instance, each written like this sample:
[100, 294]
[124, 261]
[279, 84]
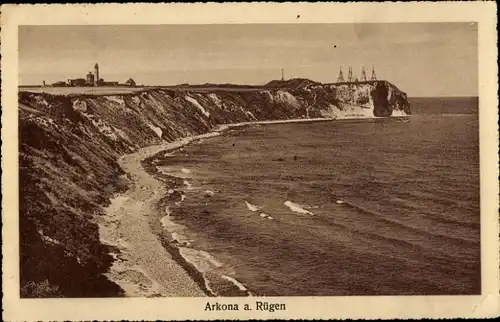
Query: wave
[203, 267]
[297, 208]
[208, 193]
[401, 225]
[251, 207]
[188, 185]
[266, 216]
[235, 282]
[203, 262]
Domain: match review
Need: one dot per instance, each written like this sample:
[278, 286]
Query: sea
[353, 207]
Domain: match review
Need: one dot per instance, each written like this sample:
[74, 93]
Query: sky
[422, 59]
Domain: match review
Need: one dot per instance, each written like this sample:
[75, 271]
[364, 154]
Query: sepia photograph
[249, 160]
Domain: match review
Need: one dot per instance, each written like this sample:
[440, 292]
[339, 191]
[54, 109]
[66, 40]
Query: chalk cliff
[69, 145]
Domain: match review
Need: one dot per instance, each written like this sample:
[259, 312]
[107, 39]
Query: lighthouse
[96, 74]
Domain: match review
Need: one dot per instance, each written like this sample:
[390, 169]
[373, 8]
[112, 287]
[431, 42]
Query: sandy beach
[144, 267]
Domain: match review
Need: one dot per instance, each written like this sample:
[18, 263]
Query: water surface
[388, 208]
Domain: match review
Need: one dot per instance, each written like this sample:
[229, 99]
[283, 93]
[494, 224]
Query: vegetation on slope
[68, 147]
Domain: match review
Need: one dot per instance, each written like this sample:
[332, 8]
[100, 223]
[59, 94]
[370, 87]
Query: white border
[486, 305]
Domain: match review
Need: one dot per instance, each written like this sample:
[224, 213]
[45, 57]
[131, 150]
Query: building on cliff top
[92, 79]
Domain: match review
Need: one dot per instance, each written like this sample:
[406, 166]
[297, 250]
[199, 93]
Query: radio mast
[349, 75]
[374, 77]
[340, 78]
[363, 75]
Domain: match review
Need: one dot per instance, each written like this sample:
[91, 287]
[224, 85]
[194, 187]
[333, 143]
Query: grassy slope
[68, 149]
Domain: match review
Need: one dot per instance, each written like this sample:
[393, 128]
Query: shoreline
[147, 264]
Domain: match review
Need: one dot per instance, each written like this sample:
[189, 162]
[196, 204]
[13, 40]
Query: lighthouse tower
[96, 74]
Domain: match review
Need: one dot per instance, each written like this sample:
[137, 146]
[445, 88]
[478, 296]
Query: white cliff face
[399, 113]
[217, 101]
[150, 117]
[286, 98]
[116, 99]
[347, 111]
[155, 129]
[80, 106]
[355, 94]
[198, 105]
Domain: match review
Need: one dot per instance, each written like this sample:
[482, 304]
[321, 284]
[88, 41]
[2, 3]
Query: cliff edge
[69, 146]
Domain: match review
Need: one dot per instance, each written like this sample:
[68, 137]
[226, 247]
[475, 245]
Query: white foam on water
[166, 223]
[161, 170]
[202, 261]
[297, 208]
[181, 239]
[235, 282]
[251, 207]
[340, 202]
[263, 215]
[188, 185]
[184, 170]
[212, 260]
[208, 193]
[175, 230]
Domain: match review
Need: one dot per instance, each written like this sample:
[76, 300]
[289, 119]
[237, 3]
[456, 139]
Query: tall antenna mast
[340, 78]
[374, 77]
[363, 74]
[349, 75]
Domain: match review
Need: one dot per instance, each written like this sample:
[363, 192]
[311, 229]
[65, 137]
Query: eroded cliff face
[69, 145]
